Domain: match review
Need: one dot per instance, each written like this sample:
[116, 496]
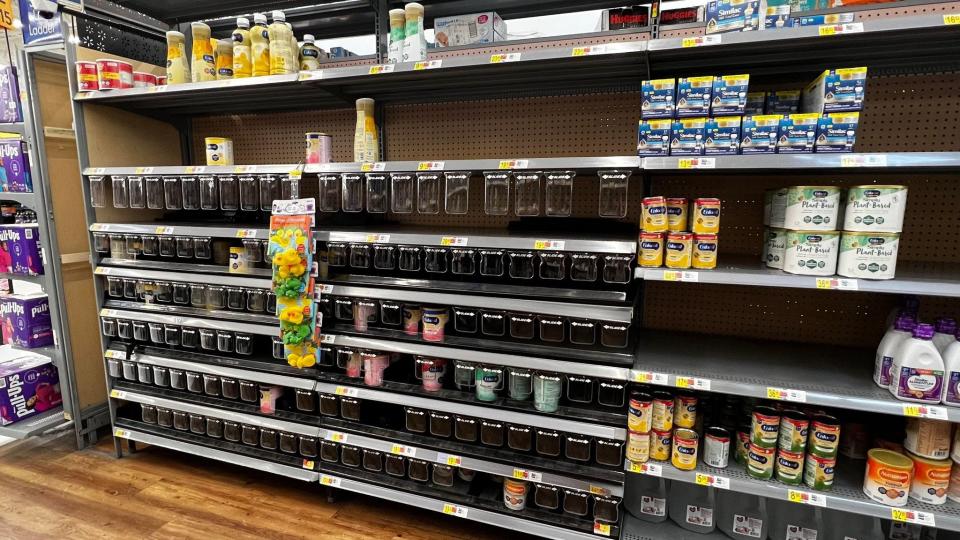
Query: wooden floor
[49, 490]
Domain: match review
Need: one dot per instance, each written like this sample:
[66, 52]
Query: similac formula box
[486, 27]
[836, 132]
[693, 96]
[777, 15]
[755, 103]
[797, 133]
[836, 90]
[659, 98]
[729, 95]
[760, 134]
[687, 136]
[653, 137]
[782, 102]
[722, 135]
[733, 16]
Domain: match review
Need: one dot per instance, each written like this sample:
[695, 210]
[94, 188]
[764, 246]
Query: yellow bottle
[242, 57]
[260, 45]
[366, 141]
[178, 70]
[281, 50]
[224, 59]
[309, 54]
[203, 67]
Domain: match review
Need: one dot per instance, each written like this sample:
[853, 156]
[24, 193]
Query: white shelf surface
[34, 425]
[192, 321]
[234, 280]
[258, 232]
[878, 160]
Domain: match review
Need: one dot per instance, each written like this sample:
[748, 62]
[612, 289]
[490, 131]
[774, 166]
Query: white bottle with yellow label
[203, 67]
[178, 70]
[260, 45]
[281, 50]
[242, 56]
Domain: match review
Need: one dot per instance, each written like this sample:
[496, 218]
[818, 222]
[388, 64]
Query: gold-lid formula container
[685, 445]
[705, 218]
[677, 214]
[178, 69]
[203, 67]
[704, 251]
[224, 59]
[678, 250]
[651, 250]
[653, 214]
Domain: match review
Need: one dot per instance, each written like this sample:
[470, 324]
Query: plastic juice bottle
[917, 370]
[946, 330]
[260, 45]
[951, 377]
[204, 67]
[178, 70]
[889, 345]
[242, 57]
[309, 54]
[366, 143]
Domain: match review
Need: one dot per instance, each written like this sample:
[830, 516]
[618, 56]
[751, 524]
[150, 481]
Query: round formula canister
[776, 247]
[87, 80]
[742, 445]
[685, 411]
[818, 471]
[888, 477]
[678, 250]
[775, 207]
[651, 249]
[677, 214]
[811, 253]
[653, 217]
[716, 447]
[219, 151]
[685, 445]
[789, 467]
[660, 442]
[640, 412]
[953, 491]
[704, 251]
[812, 208]
[928, 438]
[760, 461]
[161, 80]
[662, 418]
[114, 74]
[793, 431]
[705, 217]
[868, 255]
[824, 436]
[638, 446]
[875, 208]
[764, 427]
[319, 148]
[931, 479]
[142, 79]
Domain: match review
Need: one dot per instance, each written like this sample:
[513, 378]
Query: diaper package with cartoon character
[29, 385]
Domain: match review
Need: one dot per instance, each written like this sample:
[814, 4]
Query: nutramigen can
[716, 447]
[793, 431]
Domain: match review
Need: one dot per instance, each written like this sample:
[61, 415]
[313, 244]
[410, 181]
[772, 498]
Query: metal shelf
[39, 280]
[242, 317]
[26, 199]
[793, 162]
[623, 314]
[34, 425]
[635, 529]
[19, 128]
[258, 232]
[924, 279]
[480, 356]
[192, 321]
[771, 370]
[190, 169]
[185, 268]
[219, 455]
[476, 165]
[846, 494]
[233, 280]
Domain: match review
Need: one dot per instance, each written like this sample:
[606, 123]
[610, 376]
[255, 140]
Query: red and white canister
[114, 74]
[87, 76]
[142, 79]
[161, 80]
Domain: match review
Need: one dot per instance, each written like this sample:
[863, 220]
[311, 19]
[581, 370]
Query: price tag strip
[837, 29]
[118, 394]
[430, 64]
[913, 516]
[373, 167]
[346, 391]
[925, 411]
[712, 480]
[376, 239]
[336, 436]
[694, 383]
[402, 450]
[510, 164]
[523, 474]
[119, 355]
[449, 459]
[456, 241]
[697, 163]
[164, 230]
[589, 51]
[651, 377]
[383, 68]
[331, 481]
[122, 433]
[837, 284]
[806, 497]
[603, 529]
[651, 469]
[786, 394]
[677, 275]
[430, 166]
[504, 57]
[454, 510]
[549, 244]
[700, 41]
[864, 160]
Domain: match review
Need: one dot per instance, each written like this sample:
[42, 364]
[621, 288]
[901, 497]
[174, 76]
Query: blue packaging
[733, 16]
[783, 102]
[687, 136]
[837, 132]
[729, 95]
[777, 15]
[760, 134]
[722, 136]
[10, 110]
[755, 103]
[797, 133]
[836, 90]
[659, 98]
[693, 96]
[653, 137]
[819, 20]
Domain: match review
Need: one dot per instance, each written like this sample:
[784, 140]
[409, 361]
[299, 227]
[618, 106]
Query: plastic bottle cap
[259, 18]
[243, 22]
[906, 323]
[278, 16]
[924, 331]
[946, 325]
[308, 38]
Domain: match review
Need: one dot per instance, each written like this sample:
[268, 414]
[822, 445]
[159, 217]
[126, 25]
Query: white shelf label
[456, 241]
[194, 170]
[373, 167]
[806, 497]
[864, 160]
[377, 239]
[325, 288]
[143, 170]
[331, 481]
[119, 355]
[504, 57]
[449, 459]
[454, 510]
[118, 394]
[101, 227]
[382, 68]
[311, 75]
[348, 391]
[122, 433]
[836, 29]
[327, 338]
[588, 51]
[677, 275]
[108, 313]
[786, 394]
[402, 450]
[603, 529]
[700, 41]
[246, 233]
[523, 474]
[549, 244]
[651, 377]
[651, 469]
[510, 164]
[336, 436]
[925, 411]
[430, 166]
[713, 480]
[913, 516]
[163, 230]
[837, 284]
[694, 383]
[101, 271]
[697, 163]
[429, 64]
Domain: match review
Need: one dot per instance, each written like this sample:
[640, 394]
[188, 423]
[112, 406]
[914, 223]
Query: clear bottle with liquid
[366, 141]
[260, 45]
[204, 66]
[309, 54]
[242, 56]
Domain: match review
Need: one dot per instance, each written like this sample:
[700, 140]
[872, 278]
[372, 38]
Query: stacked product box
[732, 16]
[476, 28]
[29, 385]
[679, 233]
[16, 166]
[20, 251]
[26, 320]
[10, 109]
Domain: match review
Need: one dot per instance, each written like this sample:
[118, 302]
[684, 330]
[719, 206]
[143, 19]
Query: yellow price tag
[828, 30]
[897, 514]
[454, 510]
[122, 433]
[672, 275]
[309, 464]
[601, 528]
[702, 479]
[774, 393]
[685, 164]
[597, 490]
[824, 283]
[951, 18]
[330, 481]
[246, 233]
[587, 51]
[795, 496]
[911, 410]
[116, 393]
[684, 382]
[454, 461]
[295, 174]
[336, 436]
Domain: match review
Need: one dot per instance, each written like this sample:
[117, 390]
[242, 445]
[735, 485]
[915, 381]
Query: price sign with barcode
[429, 64]
[602, 529]
[806, 497]
[523, 474]
[510, 164]
[913, 516]
[331, 481]
[108, 313]
[402, 450]
[864, 160]
[712, 480]
[678, 275]
[456, 241]
[549, 244]
[786, 394]
[118, 355]
[701, 41]
[241, 169]
[194, 170]
[100, 227]
[430, 166]
[449, 459]
[103, 271]
[376, 239]
[246, 233]
[373, 167]
[925, 411]
[694, 383]
[697, 163]
[837, 284]
[336, 436]
[651, 377]
[383, 68]
[504, 57]
[651, 469]
[837, 29]
[346, 391]
[588, 51]
[122, 433]
[118, 394]
[163, 230]
[143, 170]
[454, 510]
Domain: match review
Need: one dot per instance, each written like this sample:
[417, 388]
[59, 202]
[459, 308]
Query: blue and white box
[755, 103]
[797, 133]
[837, 132]
[760, 134]
[722, 136]
[836, 90]
[777, 15]
[820, 20]
[783, 102]
[659, 98]
[729, 95]
[687, 136]
[653, 137]
[733, 16]
[693, 96]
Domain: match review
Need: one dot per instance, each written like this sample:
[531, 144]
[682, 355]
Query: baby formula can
[953, 491]
[875, 208]
[928, 438]
[638, 446]
[888, 477]
[654, 214]
[812, 208]
[87, 80]
[662, 411]
[824, 436]
[866, 255]
[793, 431]
[219, 151]
[660, 445]
[931, 479]
[640, 412]
[760, 462]
[716, 447]
[142, 79]
[114, 74]
[789, 467]
[775, 207]
[705, 218]
[677, 214]
[764, 427]
[705, 251]
[651, 250]
[685, 411]
[776, 247]
[811, 253]
[678, 250]
[319, 148]
[743, 444]
[685, 444]
[161, 80]
[818, 471]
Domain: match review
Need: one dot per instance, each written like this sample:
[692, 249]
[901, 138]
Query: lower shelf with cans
[846, 494]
